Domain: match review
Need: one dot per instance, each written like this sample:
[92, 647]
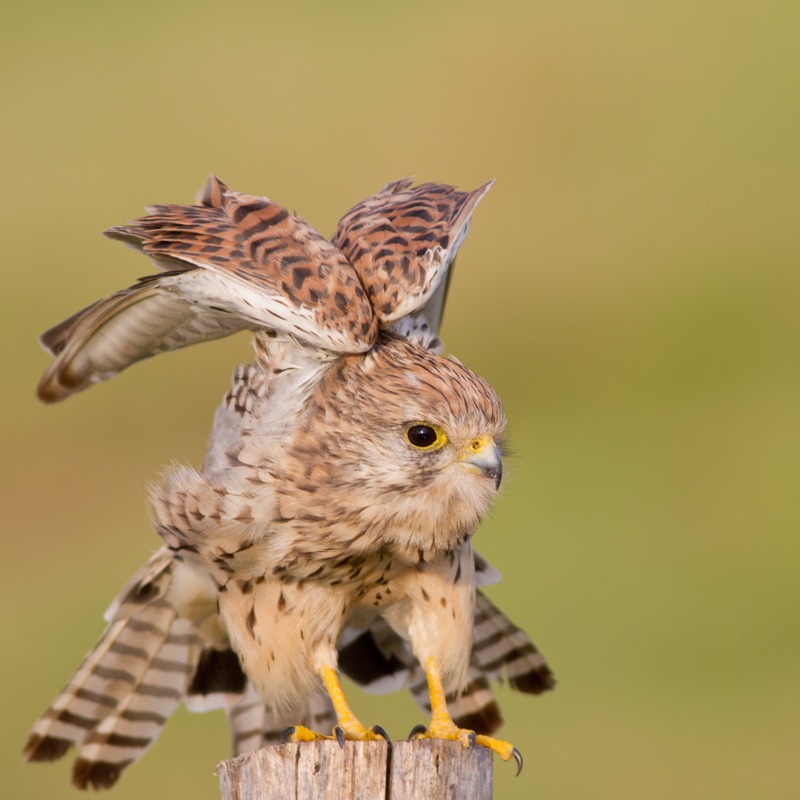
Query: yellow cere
[477, 444]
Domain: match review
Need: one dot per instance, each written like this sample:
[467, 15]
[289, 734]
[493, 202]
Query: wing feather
[402, 242]
[232, 262]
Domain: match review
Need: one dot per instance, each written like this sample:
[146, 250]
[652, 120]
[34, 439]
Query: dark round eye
[425, 436]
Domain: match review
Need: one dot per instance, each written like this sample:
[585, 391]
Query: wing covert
[232, 262]
[402, 242]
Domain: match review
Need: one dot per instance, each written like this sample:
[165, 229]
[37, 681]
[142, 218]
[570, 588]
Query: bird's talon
[517, 756]
[416, 731]
[338, 732]
[471, 737]
[379, 731]
[287, 735]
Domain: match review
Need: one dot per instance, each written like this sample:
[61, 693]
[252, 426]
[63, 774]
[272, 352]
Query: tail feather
[502, 650]
[136, 721]
[150, 658]
[253, 725]
[248, 720]
[78, 708]
[476, 708]
[120, 697]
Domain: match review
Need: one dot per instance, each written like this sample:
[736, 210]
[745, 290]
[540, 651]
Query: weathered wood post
[430, 769]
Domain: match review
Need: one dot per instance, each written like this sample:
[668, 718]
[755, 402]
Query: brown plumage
[330, 522]
[402, 241]
[231, 262]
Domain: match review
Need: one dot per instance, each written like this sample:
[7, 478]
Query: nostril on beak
[483, 456]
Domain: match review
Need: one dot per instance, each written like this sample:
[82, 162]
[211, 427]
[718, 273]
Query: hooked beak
[482, 456]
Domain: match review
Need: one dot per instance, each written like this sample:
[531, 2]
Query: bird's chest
[354, 574]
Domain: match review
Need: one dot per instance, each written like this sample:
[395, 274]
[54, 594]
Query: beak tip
[496, 473]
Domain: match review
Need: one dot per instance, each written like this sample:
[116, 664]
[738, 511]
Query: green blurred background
[630, 286]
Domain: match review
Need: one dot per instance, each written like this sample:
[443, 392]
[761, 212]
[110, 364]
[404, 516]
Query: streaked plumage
[112, 720]
[319, 529]
[233, 262]
[402, 241]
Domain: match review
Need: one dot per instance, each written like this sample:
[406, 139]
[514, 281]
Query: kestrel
[329, 526]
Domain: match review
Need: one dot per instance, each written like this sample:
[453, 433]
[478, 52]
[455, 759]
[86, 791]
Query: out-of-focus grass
[630, 286]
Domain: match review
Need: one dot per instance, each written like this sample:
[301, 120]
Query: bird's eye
[425, 437]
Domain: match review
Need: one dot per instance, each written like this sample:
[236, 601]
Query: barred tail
[501, 650]
[119, 699]
[253, 725]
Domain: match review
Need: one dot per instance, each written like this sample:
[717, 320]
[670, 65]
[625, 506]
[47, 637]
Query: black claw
[471, 737]
[382, 733]
[338, 732]
[417, 729]
[518, 758]
[287, 734]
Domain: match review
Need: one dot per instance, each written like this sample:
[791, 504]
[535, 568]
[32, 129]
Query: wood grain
[322, 770]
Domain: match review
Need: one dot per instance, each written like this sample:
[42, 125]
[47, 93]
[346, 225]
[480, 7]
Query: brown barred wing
[232, 262]
[402, 241]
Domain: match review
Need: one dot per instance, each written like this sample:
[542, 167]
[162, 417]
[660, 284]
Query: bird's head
[410, 441]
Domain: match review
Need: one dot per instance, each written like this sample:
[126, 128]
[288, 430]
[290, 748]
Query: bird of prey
[329, 526]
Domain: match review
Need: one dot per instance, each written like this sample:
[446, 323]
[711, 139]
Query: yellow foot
[353, 733]
[453, 733]
[299, 733]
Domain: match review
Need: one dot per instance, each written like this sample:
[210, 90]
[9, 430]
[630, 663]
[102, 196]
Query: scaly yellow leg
[443, 727]
[348, 727]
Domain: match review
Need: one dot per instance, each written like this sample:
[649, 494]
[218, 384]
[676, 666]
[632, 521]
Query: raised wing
[231, 262]
[402, 242]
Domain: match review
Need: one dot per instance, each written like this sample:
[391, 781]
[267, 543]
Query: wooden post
[431, 769]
